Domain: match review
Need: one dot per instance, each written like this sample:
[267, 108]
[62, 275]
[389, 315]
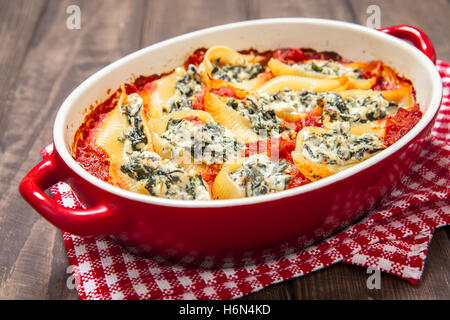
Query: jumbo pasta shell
[239, 126]
[224, 187]
[299, 83]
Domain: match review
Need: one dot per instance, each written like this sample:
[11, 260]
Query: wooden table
[41, 61]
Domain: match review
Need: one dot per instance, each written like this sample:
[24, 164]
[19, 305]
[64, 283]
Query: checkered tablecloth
[393, 238]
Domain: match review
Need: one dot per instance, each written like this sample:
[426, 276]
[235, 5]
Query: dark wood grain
[41, 61]
[18, 21]
[342, 281]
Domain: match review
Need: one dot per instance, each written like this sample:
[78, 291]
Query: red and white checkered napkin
[393, 238]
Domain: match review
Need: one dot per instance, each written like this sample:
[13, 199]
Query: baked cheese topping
[327, 68]
[165, 178]
[236, 73]
[208, 143]
[260, 175]
[338, 147]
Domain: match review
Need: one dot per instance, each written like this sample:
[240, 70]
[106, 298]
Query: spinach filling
[237, 73]
[164, 177]
[140, 171]
[290, 101]
[209, 143]
[185, 89]
[339, 147]
[263, 122]
[135, 133]
[356, 109]
[259, 175]
[329, 68]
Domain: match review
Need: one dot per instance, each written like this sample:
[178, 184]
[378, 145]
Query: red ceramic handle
[99, 220]
[414, 35]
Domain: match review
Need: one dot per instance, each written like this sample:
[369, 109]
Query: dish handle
[415, 36]
[98, 220]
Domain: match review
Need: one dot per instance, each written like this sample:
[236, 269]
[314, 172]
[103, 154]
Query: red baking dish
[195, 230]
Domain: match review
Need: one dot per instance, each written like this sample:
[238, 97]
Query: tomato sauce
[296, 55]
[194, 119]
[196, 58]
[209, 174]
[198, 103]
[401, 123]
[289, 55]
[275, 148]
[142, 81]
[312, 119]
[224, 92]
[91, 157]
[298, 179]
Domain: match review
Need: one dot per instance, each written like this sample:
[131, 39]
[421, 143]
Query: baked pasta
[233, 124]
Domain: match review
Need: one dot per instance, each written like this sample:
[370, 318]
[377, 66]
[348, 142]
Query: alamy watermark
[73, 21]
[374, 19]
[374, 280]
[74, 277]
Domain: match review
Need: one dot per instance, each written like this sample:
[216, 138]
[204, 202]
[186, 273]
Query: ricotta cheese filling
[165, 178]
[259, 175]
[263, 121]
[134, 137]
[357, 108]
[338, 147]
[328, 68]
[236, 73]
[188, 84]
[290, 101]
[208, 143]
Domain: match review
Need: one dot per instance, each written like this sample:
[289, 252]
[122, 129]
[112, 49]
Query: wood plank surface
[42, 61]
